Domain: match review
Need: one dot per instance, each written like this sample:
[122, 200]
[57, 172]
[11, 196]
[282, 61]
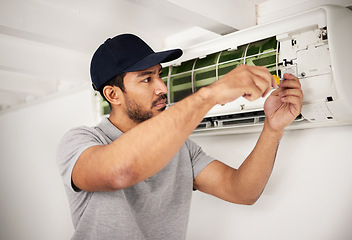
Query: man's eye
[147, 80]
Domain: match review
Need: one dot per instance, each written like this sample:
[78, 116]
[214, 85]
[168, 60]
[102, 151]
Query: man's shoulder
[81, 135]
[82, 131]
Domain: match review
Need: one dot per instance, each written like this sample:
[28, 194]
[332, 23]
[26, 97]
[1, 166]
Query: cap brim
[154, 59]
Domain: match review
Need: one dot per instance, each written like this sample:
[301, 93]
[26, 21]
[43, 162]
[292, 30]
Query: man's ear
[113, 94]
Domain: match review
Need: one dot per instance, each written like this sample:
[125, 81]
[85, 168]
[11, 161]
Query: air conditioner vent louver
[236, 120]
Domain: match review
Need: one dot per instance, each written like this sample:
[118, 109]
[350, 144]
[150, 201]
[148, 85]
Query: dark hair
[115, 81]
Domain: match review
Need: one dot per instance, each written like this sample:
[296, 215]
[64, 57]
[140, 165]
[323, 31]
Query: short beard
[135, 111]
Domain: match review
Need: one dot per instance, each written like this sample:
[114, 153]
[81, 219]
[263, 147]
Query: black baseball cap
[125, 53]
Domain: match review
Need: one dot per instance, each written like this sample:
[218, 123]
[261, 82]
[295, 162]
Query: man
[132, 176]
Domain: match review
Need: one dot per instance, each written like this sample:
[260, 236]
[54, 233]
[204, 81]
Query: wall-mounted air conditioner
[315, 46]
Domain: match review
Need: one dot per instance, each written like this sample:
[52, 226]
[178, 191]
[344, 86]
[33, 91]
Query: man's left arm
[245, 184]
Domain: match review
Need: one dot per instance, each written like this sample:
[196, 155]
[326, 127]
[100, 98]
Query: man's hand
[250, 82]
[284, 104]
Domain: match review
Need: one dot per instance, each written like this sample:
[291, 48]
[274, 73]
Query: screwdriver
[277, 79]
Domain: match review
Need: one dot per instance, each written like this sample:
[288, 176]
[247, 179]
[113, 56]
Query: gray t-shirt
[157, 208]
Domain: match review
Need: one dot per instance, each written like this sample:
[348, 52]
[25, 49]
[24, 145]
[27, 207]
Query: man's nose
[161, 88]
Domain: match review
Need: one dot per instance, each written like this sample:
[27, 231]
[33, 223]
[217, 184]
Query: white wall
[308, 196]
[33, 203]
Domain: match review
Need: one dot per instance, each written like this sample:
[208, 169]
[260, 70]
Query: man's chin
[162, 109]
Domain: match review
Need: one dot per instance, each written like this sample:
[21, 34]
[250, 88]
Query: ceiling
[46, 45]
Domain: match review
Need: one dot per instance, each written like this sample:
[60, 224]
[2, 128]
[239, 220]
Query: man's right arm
[147, 148]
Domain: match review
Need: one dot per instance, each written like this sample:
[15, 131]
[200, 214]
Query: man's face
[145, 94]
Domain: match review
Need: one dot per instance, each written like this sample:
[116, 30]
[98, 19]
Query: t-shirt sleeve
[72, 145]
[198, 157]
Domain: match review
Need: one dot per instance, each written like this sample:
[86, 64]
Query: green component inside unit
[252, 49]
[165, 82]
[263, 53]
[206, 70]
[104, 106]
[227, 67]
[184, 67]
[164, 76]
[180, 86]
[207, 61]
[231, 55]
[261, 46]
[268, 61]
[269, 44]
[204, 77]
[164, 72]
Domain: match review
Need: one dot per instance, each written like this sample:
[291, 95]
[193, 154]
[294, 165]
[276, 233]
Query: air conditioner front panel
[298, 44]
[303, 52]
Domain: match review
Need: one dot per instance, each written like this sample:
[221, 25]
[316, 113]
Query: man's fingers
[262, 79]
[251, 82]
[253, 93]
[290, 83]
[262, 72]
[290, 92]
[295, 102]
[289, 76]
[262, 84]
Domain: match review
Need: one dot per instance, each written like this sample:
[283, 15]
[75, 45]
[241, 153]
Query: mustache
[161, 97]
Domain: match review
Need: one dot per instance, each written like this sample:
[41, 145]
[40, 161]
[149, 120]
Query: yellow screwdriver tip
[277, 79]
